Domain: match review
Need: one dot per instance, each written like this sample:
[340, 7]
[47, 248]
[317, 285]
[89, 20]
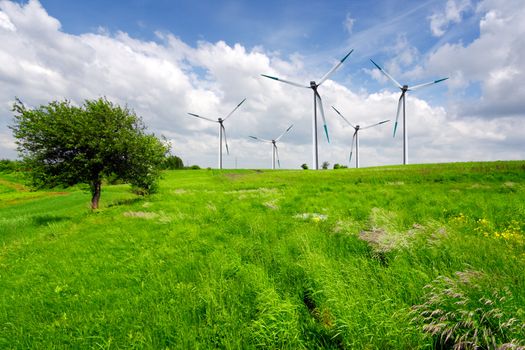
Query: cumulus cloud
[493, 61]
[5, 23]
[165, 79]
[453, 12]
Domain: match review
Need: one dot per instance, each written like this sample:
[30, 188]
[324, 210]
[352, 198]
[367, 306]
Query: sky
[165, 59]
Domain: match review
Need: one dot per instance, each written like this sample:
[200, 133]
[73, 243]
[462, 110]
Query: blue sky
[167, 58]
[314, 29]
[248, 22]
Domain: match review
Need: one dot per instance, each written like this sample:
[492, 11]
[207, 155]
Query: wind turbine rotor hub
[405, 88]
[313, 85]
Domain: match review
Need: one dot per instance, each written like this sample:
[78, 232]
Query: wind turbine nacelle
[313, 85]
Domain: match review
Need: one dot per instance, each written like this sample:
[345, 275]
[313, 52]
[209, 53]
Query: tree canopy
[64, 145]
[172, 162]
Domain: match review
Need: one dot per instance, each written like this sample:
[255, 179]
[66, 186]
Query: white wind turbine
[317, 100]
[404, 89]
[355, 138]
[222, 130]
[275, 152]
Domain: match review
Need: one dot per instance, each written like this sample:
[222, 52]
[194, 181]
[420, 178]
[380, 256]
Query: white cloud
[349, 23]
[5, 22]
[403, 55]
[493, 60]
[453, 12]
[165, 79]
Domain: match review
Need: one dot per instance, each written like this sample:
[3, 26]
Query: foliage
[244, 259]
[64, 145]
[325, 165]
[172, 162]
[304, 166]
[8, 165]
[340, 166]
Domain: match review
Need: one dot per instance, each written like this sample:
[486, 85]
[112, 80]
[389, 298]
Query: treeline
[8, 166]
[171, 162]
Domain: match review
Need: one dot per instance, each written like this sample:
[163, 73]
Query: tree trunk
[95, 192]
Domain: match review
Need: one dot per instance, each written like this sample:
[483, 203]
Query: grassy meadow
[401, 257]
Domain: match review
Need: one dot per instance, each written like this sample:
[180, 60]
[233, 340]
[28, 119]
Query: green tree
[304, 166]
[325, 165]
[172, 162]
[64, 145]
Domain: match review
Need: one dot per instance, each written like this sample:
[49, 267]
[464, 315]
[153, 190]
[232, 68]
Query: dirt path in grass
[13, 185]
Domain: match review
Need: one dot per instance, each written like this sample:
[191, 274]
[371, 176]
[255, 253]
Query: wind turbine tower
[275, 152]
[404, 89]
[355, 138]
[317, 101]
[222, 130]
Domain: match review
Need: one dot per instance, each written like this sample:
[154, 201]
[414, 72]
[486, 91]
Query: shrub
[7, 165]
[340, 166]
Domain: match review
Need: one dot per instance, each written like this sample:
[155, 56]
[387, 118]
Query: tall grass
[274, 259]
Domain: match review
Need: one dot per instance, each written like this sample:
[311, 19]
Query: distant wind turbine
[222, 130]
[355, 138]
[317, 100]
[404, 89]
[275, 152]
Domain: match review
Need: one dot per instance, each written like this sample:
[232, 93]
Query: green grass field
[420, 256]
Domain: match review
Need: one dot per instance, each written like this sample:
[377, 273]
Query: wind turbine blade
[343, 117]
[277, 154]
[388, 75]
[286, 81]
[397, 114]
[352, 147]
[259, 139]
[376, 124]
[225, 140]
[426, 84]
[277, 139]
[334, 68]
[198, 116]
[321, 109]
[234, 109]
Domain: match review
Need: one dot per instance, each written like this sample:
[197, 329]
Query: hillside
[400, 257]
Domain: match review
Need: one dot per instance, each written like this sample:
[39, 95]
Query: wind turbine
[356, 136]
[404, 89]
[222, 130]
[275, 152]
[317, 100]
